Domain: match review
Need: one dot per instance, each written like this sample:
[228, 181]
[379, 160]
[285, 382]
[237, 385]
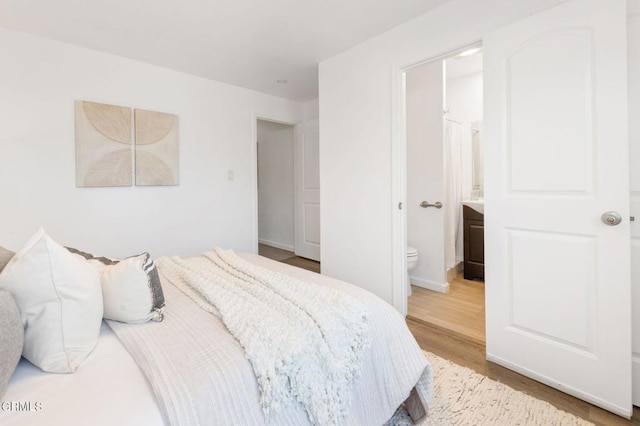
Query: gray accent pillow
[11, 338]
[5, 257]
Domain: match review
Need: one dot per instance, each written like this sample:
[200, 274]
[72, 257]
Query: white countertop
[477, 205]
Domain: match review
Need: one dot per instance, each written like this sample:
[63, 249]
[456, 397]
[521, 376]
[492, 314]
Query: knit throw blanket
[305, 342]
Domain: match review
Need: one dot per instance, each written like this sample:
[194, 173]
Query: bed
[120, 382]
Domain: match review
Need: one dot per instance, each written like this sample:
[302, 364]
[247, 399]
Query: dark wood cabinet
[473, 244]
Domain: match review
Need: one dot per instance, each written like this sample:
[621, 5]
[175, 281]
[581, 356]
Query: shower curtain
[476, 159]
[452, 186]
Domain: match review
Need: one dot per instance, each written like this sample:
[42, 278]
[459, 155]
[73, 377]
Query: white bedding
[304, 341]
[109, 388]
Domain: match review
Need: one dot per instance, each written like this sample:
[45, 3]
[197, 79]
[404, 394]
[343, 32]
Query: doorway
[558, 288]
[286, 161]
[444, 193]
[556, 168]
[275, 185]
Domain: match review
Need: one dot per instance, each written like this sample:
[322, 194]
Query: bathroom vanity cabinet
[473, 244]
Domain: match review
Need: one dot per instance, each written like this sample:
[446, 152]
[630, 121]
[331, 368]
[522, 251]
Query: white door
[306, 165]
[557, 278]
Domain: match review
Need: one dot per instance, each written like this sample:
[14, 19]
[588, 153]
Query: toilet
[412, 258]
[412, 261]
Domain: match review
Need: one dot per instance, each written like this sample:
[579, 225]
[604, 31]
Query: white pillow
[131, 289]
[60, 303]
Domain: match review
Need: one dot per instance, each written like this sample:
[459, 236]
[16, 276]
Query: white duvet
[107, 389]
[304, 341]
[202, 375]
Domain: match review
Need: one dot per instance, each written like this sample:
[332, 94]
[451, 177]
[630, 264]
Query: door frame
[254, 171]
[399, 171]
[633, 13]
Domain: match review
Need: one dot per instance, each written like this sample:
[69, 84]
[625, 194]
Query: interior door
[306, 165]
[556, 159]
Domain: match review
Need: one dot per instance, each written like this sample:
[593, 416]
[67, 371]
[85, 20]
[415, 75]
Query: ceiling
[248, 43]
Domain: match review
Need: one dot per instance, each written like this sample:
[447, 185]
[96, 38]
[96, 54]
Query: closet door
[306, 174]
[557, 265]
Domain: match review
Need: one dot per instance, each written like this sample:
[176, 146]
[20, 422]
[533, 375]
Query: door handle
[611, 218]
[425, 204]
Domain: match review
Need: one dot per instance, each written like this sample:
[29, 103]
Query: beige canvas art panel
[156, 140]
[103, 145]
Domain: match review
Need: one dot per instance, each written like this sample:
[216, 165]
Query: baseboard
[429, 285]
[455, 272]
[276, 245]
[626, 413]
[635, 376]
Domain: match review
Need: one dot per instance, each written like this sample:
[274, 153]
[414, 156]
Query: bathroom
[445, 192]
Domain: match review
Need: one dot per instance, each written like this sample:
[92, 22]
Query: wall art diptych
[157, 158]
[103, 145]
[109, 137]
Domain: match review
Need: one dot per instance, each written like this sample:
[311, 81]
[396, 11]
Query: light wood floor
[452, 326]
[288, 257]
[461, 309]
[471, 354]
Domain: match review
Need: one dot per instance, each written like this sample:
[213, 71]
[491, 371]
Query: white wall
[464, 102]
[275, 185]
[633, 49]
[355, 133]
[311, 110]
[425, 174]
[39, 81]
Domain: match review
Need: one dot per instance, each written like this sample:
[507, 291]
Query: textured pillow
[11, 338]
[131, 289]
[5, 257]
[60, 303]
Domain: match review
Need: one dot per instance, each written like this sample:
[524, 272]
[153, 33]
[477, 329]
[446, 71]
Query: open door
[306, 174]
[556, 160]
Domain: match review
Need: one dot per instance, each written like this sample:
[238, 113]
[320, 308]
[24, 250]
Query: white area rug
[464, 397]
